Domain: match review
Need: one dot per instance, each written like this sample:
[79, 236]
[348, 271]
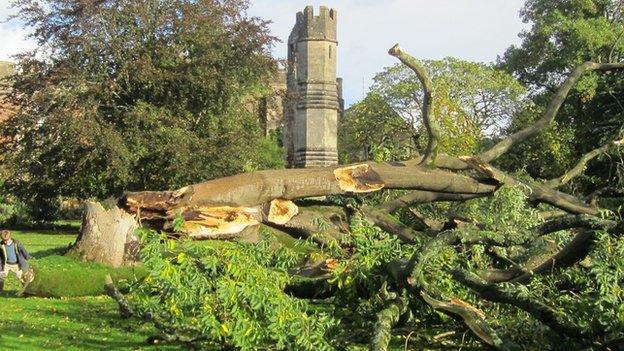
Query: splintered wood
[358, 179]
[281, 211]
[479, 165]
[218, 222]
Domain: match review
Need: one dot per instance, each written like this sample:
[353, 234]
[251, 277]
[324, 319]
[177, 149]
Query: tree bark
[251, 189]
[107, 236]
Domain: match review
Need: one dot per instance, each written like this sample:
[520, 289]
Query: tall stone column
[316, 104]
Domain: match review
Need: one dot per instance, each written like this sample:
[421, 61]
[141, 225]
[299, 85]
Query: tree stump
[107, 236]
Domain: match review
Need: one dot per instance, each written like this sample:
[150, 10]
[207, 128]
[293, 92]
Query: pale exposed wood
[281, 211]
[216, 222]
[358, 179]
[107, 236]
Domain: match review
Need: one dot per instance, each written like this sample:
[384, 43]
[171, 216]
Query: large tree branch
[396, 306]
[385, 221]
[560, 223]
[419, 196]
[579, 247]
[551, 111]
[535, 192]
[580, 166]
[540, 311]
[257, 188]
[433, 130]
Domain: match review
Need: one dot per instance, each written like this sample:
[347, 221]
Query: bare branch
[580, 166]
[551, 111]
[427, 111]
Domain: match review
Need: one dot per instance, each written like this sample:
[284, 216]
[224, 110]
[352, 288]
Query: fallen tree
[224, 208]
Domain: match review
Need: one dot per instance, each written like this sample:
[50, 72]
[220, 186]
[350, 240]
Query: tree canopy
[472, 101]
[564, 34]
[126, 94]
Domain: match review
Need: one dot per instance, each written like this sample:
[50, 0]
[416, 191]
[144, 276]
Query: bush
[12, 211]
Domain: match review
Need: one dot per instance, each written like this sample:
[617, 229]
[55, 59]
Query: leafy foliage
[230, 296]
[471, 101]
[563, 35]
[134, 95]
[589, 294]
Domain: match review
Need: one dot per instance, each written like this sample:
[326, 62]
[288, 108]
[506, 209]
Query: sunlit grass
[67, 323]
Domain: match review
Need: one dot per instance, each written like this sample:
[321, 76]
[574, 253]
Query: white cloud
[13, 38]
[14, 41]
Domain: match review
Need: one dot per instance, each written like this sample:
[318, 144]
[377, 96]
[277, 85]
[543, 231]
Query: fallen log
[257, 188]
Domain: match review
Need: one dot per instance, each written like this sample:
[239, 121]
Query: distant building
[308, 96]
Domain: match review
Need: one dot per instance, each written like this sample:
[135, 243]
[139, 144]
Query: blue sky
[476, 30]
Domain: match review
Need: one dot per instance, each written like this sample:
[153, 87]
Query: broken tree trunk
[243, 197]
[107, 236]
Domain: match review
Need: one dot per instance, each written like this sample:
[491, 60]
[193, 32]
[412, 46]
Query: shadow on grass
[55, 251]
[52, 228]
[71, 324]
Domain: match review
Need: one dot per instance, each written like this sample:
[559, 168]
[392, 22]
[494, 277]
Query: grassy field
[67, 323]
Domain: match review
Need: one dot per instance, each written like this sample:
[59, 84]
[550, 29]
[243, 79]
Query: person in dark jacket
[13, 259]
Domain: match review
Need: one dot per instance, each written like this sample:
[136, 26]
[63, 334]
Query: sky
[475, 30]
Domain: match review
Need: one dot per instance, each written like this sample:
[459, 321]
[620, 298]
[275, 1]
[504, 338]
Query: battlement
[319, 27]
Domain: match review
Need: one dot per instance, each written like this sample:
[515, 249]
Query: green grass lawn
[67, 323]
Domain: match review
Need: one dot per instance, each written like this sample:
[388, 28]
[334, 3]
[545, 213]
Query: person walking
[14, 259]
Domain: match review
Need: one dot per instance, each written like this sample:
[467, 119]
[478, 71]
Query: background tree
[126, 94]
[372, 129]
[563, 35]
[472, 101]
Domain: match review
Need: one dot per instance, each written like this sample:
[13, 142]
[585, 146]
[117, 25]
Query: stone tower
[311, 115]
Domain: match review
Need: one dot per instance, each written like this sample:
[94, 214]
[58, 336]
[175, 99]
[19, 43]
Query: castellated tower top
[321, 27]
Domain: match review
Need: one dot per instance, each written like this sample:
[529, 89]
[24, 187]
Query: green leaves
[136, 95]
[472, 101]
[230, 293]
[563, 35]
